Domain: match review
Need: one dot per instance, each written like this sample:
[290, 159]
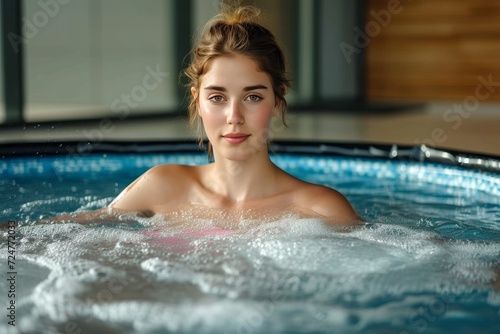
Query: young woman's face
[236, 102]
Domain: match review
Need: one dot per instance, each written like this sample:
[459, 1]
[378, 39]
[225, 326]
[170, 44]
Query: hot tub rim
[417, 153]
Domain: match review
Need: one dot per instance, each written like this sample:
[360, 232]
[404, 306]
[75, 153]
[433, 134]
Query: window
[89, 59]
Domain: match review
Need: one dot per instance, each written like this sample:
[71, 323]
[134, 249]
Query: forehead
[234, 70]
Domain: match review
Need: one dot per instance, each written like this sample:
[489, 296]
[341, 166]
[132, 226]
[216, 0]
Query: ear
[194, 92]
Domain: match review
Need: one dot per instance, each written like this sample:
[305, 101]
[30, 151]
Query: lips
[235, 137]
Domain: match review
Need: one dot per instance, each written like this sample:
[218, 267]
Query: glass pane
[88, 59]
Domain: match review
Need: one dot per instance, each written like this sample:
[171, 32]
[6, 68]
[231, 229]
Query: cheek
[261, 121]
[264, 121]
[263, 117]
[210, 115]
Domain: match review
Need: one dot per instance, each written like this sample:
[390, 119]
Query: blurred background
[378, 71]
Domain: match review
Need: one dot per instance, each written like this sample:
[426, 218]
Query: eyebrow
[246, 89]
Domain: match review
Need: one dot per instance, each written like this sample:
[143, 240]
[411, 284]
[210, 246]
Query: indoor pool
[427, 261]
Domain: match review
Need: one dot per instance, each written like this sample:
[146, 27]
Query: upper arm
[103, 215]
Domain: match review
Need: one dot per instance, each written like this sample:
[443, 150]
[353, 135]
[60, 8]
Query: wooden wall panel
[433, 50]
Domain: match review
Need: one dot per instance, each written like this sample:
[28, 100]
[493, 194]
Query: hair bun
[238, 14]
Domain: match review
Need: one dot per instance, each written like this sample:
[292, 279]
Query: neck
[241, 181]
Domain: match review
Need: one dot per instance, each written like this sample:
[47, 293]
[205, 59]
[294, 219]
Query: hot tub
[427, 260]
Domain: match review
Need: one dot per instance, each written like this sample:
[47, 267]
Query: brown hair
[237, 31]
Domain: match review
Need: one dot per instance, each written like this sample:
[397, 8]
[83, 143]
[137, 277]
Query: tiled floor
[434, 125]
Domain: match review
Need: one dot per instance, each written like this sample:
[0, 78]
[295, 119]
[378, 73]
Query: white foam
[211, 282]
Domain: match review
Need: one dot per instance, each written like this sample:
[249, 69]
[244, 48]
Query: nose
[234, 114]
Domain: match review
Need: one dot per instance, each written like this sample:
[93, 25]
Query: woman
[238, 83]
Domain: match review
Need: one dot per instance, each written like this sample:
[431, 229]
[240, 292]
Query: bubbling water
[287, 275]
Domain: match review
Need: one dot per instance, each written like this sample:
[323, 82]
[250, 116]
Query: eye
[254, 98]
[216, 98]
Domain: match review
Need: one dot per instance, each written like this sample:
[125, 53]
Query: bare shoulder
[155, 187]
[327, 203]
[157, 176]
[167, 172]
